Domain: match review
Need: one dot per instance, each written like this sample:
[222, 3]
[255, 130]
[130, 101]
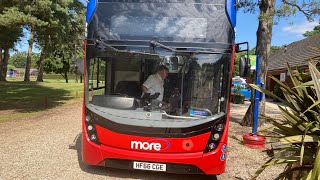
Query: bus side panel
[214, 162]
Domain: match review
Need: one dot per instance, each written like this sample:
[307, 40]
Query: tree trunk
[66, 76]
[264, 35]
[4, 65]
[42, 58]
[0, 56]
[28, 64]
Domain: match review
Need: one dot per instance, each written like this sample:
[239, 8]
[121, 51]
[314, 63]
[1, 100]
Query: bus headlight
[90, 127]
[215, 136]
[211, 146]
[219, 127]
[88, 118]
[93, 137]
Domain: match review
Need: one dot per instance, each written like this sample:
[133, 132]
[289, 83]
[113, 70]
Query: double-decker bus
[126, 41]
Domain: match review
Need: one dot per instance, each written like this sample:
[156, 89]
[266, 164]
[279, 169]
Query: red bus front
[184, 131]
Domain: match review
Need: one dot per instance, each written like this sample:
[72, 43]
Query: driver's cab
[117, 82]
[196, 85]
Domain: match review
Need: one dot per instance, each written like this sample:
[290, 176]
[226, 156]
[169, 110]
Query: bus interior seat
[130, 88]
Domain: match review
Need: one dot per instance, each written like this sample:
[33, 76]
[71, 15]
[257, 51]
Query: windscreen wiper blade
[157, 44]
[121, 51]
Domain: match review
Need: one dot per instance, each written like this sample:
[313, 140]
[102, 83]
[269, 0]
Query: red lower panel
[214, 162]
[209, 163]
[91, 153]
[181, 158]
[152, 144]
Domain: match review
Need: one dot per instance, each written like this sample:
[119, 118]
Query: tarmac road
[48, 147]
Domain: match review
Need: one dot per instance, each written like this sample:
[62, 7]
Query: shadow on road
[121, 173]
[30, 97]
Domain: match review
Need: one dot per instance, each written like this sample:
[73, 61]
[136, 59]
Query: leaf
[284, 86]
[286, 130]
[299, 139]
[316, 167]
[315, 74]
[294, 80]
[312, 106]
[303, 141]
[307, 176]
[307, 84]
[293, 119]
[270, 94]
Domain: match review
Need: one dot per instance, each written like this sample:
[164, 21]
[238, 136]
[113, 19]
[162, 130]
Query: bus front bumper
[210, 163]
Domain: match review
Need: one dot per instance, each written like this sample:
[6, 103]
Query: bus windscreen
[176, 27]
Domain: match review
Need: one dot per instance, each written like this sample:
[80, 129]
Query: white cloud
[300, 29]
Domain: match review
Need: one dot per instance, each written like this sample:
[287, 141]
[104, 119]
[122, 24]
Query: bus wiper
[121, 51]
[107, 45]
[157, 44]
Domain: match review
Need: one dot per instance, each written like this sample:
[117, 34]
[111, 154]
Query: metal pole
[256, 99]
[75, 58]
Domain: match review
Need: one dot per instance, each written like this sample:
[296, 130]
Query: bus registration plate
[149, 166]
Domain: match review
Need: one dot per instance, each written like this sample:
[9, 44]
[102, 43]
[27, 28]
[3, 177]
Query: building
[296, 55]
[19, 72]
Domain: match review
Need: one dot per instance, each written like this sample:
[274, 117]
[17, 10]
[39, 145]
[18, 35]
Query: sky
[284, 33]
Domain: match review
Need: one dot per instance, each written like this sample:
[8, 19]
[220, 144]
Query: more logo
[153, 144]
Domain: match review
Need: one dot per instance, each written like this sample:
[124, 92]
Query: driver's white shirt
[154, 84]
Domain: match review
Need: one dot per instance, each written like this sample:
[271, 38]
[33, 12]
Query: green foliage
[315, 31]
[236, 64]
[19, 59]
[58, 27]
[299, 131]
[277, 91]
[236, 90]
[11, 67]
[284, 9]
[274, 49]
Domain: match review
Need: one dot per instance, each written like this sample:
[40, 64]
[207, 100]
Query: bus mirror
[174, 62]
[237, 48]
[244, 67]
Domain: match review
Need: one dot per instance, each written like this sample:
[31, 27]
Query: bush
[298, 134]
[278, 92]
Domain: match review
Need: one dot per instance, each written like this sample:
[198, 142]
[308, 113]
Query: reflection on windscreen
[177, 27]
[195, 87]
[176, 21]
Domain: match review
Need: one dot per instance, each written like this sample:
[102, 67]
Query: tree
[24, 13]
[274, 49]
[7, 40]
[268, 13]
[67, 14]
[18, 59]
[316, 30]
[44, 19]
[8, 37]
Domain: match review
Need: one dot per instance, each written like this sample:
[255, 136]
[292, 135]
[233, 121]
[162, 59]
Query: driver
[154, 83]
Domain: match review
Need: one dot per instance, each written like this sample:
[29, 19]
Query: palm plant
[298, 133]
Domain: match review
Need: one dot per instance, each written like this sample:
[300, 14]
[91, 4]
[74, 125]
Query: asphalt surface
[48, 147]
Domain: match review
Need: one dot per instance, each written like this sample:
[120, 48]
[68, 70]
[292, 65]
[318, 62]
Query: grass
[20, 99]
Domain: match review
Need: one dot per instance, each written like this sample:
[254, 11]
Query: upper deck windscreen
[170, 20]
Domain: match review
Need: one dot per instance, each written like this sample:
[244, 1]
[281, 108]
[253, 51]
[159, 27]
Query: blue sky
[285, 32]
